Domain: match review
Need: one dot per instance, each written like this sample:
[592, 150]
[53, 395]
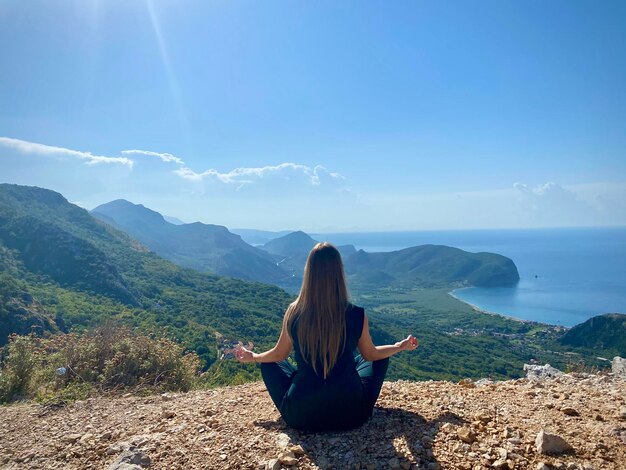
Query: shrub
[16, 375]
[582, 366]
[107, 358]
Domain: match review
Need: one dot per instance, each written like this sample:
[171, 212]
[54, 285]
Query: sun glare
[169, 70]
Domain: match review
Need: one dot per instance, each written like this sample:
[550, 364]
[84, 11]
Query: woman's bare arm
[369, 352]
[279, 352]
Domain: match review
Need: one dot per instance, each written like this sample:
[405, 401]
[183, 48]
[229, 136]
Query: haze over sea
[567, 275]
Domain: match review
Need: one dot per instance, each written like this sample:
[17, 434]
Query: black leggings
[278, 376]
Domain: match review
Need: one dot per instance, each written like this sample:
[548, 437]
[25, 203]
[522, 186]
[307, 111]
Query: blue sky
[322, 115]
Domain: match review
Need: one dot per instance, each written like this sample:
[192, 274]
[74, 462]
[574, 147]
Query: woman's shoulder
[355, 312]
[355, 309]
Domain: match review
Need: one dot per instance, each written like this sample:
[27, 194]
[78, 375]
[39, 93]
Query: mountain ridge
[189, 305]
[280, 261]
[606, 332]
[423, 265]
[205, 247]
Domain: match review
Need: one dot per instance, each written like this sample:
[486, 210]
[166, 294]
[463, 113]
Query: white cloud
[165, 157]
[244, 176]
[285, 171]
[551, 204]
[41, 149]
[321, 174]
[267, 179]
[547, 193]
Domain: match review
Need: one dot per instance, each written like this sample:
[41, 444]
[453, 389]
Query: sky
[322, 116]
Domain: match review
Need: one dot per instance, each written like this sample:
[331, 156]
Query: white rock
[618, 367]
[272, 464]
[283, 440]
[541, 372]
[482, 382]
[551, 444]
[127, 466]
[130, 459]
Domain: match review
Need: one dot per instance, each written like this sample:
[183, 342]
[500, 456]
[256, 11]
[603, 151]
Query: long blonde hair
[320, 308]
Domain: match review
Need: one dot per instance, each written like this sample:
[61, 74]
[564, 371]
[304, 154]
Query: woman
[330, 389]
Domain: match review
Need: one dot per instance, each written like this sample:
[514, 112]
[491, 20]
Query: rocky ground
[428, 425]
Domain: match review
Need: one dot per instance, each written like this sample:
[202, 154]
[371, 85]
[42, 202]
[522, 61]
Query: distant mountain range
[211, 248]
[425, 265]
[280, 261]
[62, 269]
[258, 237]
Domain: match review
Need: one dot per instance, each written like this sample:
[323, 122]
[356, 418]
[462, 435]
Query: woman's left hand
[244, 355]
[408, 344]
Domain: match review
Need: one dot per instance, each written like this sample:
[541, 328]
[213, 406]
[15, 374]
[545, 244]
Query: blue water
[580, 272]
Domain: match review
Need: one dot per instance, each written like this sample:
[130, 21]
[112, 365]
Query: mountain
[60, 251]
[432, 266]
[258, 237]
[291, 251]
[603, 332]
[280, 261]
[173, 220]
[199, 246]
[292, 244]
[425, 265]
[61, 268]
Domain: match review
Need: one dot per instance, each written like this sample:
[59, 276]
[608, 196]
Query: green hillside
[431, 266]
[603, 332]
[204, 247]
[63, 269]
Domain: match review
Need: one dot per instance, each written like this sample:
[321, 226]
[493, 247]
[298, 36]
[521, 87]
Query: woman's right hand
[408, 344]
[244, 355]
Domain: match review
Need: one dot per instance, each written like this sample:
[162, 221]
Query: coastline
[488, 312]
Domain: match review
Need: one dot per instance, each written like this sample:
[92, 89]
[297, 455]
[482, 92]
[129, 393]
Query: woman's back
[336, 402]
[331, 389]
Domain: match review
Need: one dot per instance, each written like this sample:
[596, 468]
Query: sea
[567, 275]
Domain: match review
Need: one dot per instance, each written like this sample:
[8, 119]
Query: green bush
[107, 358]
[17, 373]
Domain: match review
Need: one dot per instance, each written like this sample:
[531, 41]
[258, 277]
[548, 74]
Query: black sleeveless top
[336, 403]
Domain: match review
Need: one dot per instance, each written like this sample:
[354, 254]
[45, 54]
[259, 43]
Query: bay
[567, 275]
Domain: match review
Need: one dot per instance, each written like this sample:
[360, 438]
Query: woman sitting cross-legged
[331, 389]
